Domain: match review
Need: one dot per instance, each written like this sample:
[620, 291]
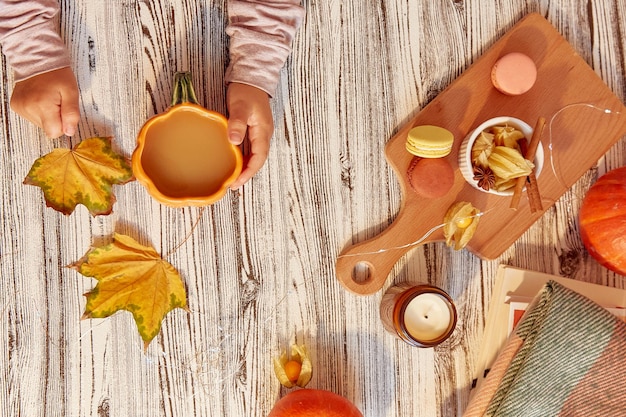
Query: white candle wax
[427, 316]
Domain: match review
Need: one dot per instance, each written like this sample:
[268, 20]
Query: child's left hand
[249, 113]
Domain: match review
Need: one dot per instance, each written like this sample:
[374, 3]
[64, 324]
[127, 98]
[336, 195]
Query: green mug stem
[183, 89]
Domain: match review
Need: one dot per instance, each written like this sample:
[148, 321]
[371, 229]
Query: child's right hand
[49, 100]
[250, 115]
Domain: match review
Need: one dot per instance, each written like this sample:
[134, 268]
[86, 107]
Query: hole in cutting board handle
[361, 277]
[362, 272]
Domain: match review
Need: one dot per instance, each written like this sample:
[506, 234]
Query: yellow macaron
[429, 141]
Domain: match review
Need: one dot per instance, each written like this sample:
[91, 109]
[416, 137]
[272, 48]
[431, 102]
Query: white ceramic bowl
[465, 152]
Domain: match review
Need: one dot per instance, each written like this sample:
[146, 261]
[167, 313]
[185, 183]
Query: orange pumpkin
[183, 156]
[314, 403]
[602, 220]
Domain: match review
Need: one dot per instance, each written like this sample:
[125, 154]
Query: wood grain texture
[259, 265]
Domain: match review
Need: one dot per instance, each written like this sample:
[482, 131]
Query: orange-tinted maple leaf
[135, 278]
[82, 175]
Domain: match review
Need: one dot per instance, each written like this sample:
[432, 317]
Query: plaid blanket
[566, 357]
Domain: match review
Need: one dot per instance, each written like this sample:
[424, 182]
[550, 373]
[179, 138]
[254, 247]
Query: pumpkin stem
[183, 89]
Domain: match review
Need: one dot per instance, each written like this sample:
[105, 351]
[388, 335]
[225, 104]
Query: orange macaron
[514, 74]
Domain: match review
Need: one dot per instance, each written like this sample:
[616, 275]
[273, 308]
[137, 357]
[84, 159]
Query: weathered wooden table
[259, 267]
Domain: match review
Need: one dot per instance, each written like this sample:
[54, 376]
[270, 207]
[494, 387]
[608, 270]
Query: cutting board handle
[364, 267]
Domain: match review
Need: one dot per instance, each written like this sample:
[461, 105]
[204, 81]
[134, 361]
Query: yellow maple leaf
[135, 278]
[82, 175]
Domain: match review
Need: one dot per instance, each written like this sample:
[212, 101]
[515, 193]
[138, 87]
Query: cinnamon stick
[532, 191]
[535, 199]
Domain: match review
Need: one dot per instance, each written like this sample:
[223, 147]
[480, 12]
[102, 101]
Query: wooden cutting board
[568, 93]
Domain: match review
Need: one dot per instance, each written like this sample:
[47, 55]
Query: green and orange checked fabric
[565, 358]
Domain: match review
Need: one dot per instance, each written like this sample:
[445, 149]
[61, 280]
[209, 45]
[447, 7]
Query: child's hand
[249, 112]
[49, 100]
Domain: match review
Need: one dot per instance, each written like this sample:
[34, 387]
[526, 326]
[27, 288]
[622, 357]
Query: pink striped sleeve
[261, 33]
[29, 37]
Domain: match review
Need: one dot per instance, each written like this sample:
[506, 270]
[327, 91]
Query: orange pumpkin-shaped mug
[183, 156]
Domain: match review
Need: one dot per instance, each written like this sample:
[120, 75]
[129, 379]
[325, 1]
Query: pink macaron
[514, 74]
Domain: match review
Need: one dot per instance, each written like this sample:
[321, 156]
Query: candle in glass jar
[427, 316]
[421, 315]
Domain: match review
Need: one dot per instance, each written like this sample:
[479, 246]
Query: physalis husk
[507, 163]
[460, 223]
[284, 367]
[506, 136]
[482, 148]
